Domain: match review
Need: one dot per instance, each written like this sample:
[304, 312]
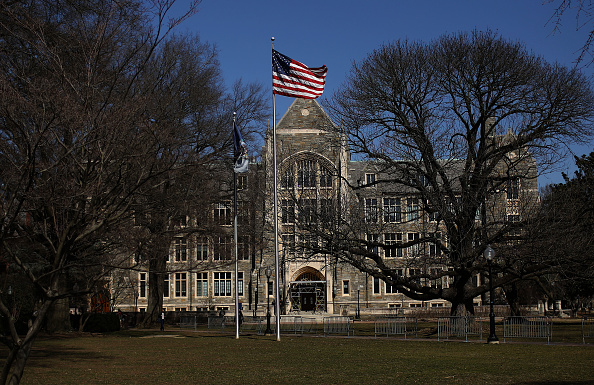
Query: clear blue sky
[338, 32]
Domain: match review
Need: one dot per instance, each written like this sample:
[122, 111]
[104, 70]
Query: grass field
[202, 357]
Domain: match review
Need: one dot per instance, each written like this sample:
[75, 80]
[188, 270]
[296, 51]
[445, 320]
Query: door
[308, 301]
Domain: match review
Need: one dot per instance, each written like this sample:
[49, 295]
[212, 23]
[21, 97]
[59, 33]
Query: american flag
[292, 78]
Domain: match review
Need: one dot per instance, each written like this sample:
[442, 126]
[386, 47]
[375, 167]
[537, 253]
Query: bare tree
[584, 11]
[190, 102]
[426, 116]
[77, 145]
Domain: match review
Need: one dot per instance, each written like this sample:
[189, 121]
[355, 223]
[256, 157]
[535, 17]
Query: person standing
[162, 320]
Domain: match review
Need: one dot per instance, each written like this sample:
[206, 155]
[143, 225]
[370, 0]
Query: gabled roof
[305, 114]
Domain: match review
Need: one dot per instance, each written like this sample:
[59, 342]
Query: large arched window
[307, 200]
[306, 173]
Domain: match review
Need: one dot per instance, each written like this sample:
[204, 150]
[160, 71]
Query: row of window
[308, 211]
[216, 284]
[222, 214]
[380, 287]
[392, 210]
[396, 239]
[218, 248]
[371, 180]
[306, 174]
[512, 189]
[221, 284]
[391, 305]
[392, 241]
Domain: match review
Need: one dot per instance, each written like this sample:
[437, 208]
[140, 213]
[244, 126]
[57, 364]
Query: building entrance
[308, 292]
[308, 301]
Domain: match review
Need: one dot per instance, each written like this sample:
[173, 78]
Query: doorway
[308, 291]
[308, 301]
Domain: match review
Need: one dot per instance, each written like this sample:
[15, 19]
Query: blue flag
[241, 161]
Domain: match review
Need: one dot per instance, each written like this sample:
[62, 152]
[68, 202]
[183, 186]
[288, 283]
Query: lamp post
[359, 303]
[11, 300]
[268, 331]
[489, 254]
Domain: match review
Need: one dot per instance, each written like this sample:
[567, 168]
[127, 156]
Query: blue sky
[338, 32]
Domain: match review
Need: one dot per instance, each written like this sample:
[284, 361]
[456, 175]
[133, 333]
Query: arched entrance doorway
[308, 291]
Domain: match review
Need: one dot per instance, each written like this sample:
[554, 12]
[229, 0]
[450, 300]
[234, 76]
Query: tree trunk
[58, 317]
[513, 299]
[18, 365]
[155, 300]
[14, 365]
[461, 305]
[157, 271]
[462, 308]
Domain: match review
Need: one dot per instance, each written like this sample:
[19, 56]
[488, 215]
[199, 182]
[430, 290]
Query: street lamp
[11, 301]
[268, 272]
[489, 254]
[359, 303]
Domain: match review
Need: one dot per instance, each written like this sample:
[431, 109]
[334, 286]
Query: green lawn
[178, 357]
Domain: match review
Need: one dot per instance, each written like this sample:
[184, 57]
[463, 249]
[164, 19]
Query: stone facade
[314, 168]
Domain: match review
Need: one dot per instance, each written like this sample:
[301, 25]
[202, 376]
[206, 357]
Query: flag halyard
[292, 78]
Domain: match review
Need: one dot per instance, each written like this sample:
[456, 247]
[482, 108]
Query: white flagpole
[236, 247]
[276, 270]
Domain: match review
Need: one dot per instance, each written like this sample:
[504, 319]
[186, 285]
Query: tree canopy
[102, 107]
[457, 123]
[563, 233]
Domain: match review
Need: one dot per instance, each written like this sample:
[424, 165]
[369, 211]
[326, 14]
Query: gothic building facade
[315, 176]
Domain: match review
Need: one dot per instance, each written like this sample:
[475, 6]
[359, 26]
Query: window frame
[392, 208]
[181, 285]
[180, 249]
[224, 278]
[346, 284]
[202, 284]
[142, 285]
[371, 210]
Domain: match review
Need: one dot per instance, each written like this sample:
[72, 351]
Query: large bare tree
[79, 142]
[190, 101]
[455, 123]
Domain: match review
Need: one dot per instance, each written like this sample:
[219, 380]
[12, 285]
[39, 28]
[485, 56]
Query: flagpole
[276, 270]
[236, 247]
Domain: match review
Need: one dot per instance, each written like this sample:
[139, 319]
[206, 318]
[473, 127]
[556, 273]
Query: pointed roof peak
[304, 114]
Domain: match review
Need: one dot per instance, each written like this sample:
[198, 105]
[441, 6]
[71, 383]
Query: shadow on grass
[49, 356]
[183, 333]
[555, 383]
